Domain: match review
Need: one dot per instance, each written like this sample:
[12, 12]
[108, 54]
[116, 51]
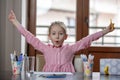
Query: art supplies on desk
[88, 64]
[16, 62]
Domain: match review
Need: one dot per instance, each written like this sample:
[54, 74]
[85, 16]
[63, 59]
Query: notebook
[51, 74]
[112, 64]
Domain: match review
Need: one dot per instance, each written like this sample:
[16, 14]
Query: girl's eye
[53, 33]
[61, 33]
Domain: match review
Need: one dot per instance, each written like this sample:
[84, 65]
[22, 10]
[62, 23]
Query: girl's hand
[111, 27]
[11, 16]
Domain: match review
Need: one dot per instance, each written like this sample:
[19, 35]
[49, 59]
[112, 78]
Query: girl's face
[57, 35]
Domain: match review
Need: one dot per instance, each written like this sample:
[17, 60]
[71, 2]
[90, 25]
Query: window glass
[100, 13]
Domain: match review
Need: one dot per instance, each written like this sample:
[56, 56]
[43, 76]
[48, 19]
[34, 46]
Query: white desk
[6, 75]
[79, 76]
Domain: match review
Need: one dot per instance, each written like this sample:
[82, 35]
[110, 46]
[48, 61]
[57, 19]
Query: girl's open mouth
[57, 41]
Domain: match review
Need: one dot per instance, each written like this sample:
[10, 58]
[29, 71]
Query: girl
[58, 57]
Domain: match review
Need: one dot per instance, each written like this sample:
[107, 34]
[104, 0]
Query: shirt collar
[54, 46]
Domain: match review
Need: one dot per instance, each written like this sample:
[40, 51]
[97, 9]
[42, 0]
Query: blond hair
[59, 23]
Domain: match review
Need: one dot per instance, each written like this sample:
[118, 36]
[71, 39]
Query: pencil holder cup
[88, 69]
[17, 67]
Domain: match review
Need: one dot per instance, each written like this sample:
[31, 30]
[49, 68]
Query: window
[86, 21]
[101, 11]
[55, 10]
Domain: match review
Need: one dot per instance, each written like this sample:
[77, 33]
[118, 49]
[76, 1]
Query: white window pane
[43, 38]
[41, 30]
[70, 39]
[101, 11]
[71, 31]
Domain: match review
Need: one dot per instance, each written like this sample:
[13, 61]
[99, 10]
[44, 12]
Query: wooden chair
[39, 62]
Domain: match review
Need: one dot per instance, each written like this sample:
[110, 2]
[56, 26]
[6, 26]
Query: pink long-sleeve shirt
[58, 59]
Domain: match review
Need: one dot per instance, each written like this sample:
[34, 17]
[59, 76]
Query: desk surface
[5, 75]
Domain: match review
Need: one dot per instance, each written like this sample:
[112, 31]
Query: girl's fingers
[11, 15]
[111, 25]
[110, 21]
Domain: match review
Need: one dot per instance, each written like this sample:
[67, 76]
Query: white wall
[10, 39]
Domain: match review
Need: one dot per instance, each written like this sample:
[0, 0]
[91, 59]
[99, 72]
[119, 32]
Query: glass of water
[29, 64]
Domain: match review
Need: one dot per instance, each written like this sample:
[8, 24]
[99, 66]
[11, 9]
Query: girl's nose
[57, 36]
